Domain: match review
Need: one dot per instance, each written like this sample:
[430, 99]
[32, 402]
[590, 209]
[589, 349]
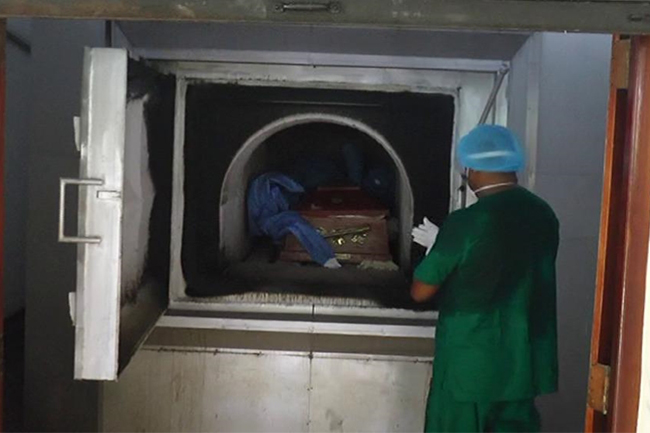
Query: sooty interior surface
[219, 120]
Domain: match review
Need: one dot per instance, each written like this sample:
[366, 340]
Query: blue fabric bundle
[269, 200]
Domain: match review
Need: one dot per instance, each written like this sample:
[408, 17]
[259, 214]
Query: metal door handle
[331, 7]
[63, 182]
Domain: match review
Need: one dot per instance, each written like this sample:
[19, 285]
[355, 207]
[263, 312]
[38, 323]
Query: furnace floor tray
[258, 280]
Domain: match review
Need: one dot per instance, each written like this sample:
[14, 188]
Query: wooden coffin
[353, 223]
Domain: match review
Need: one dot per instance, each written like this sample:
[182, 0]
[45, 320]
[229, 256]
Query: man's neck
[495, 188]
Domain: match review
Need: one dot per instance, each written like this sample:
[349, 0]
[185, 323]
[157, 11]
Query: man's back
[495, 262]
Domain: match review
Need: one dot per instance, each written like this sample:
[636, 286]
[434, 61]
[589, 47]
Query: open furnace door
[115, 305]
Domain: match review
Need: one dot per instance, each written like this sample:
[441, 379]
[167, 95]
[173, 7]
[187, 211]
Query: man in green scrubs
[492, 270]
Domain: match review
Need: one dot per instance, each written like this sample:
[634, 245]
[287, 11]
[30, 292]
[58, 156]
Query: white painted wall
[138, 196]
[573, 94]
[16, 153]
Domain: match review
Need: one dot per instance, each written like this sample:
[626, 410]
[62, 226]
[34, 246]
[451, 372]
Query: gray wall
[52, 400]
[573, 94]
[16, 153]
[523, 101]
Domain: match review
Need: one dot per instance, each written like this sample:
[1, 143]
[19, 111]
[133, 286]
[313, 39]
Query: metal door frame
[623, 249]
[376, 78]
[607, 16]
[3, 94]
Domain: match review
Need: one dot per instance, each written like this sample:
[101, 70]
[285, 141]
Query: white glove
[425, 234]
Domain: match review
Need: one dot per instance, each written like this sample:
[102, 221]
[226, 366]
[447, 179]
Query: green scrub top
[496, 338]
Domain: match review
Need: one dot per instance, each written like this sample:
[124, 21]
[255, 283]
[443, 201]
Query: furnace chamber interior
[233, 133]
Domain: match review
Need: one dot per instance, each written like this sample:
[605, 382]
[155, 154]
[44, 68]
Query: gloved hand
[425, 234]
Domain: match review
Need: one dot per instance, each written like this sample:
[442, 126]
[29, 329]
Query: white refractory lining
[138, 196]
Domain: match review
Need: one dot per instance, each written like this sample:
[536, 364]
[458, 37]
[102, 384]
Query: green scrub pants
[446, 415]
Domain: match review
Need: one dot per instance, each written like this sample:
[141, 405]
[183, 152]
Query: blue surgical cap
[491, 148]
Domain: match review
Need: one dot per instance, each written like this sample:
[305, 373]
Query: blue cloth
[491, 148]
[269, 199]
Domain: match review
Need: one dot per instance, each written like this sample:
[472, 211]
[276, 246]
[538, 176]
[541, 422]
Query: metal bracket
[331, 7]
[76, 123]
[109, 195]
[63, 182]
[598, 392]
[638, 18]
[72, 307]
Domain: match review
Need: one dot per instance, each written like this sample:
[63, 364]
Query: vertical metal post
[463, 189]
[499, 77]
